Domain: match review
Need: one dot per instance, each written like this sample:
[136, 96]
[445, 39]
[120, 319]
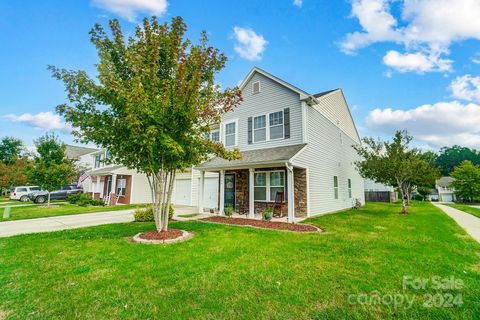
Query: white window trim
[259, 87]
[219, 137]
[253, 128]
[267, 126]
[268, 186]
[223, 136]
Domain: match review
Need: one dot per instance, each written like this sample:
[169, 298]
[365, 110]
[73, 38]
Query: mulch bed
[275, 225]
[164, 235]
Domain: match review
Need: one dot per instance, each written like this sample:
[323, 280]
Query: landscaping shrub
[228, 210]
[146, 214]
[83, 200]
[267, 214]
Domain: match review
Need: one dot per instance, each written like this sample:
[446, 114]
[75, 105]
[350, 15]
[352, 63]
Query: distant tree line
[450, 157]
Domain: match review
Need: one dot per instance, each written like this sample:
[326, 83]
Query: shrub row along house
[296, 148]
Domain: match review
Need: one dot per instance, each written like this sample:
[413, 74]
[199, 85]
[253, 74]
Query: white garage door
[210, 193]
[183, 191]
[447, 198]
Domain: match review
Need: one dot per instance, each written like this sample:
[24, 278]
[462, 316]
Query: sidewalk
[469, 222]
[11, 228]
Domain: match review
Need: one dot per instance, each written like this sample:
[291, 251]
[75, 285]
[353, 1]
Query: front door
[230, 190]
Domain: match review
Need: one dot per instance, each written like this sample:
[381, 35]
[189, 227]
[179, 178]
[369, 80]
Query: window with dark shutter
[286, 122]
[249, 130]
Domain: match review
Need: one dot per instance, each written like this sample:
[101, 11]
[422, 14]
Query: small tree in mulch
[153, 103]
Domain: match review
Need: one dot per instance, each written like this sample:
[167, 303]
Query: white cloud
[43, 120]
[129, 9]
[250, 45]
[424, 27]
[298, 3]
[466, 88]
[476, 58]
[440, 124]
[416, 62]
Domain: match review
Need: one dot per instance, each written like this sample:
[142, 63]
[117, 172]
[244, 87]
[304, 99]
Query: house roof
[321, 94]
[267, 156]
[74, 152]
[104, 170]
[444, 181]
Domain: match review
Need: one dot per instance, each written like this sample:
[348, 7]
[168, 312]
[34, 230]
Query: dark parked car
[62, 194]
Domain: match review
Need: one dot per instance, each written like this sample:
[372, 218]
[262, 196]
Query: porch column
[113, 185]
[97, 188]
[201, 187]
[222, 192]
[290, 195]
[251, 194]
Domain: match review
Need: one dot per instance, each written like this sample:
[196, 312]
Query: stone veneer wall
[300, 185]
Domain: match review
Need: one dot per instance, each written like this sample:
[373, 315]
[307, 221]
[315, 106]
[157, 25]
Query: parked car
[21, 193]
[62, 194]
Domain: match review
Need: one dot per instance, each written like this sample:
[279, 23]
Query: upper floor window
[260, 128]
[276, 125]
[256, 87]
[230, 134]
[350, 188]
[215, 136]
[335, 187]
[98, 159]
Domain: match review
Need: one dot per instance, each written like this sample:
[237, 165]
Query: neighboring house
[378, 192]
[103, 178]
[291, 142]
[445, 192]
[75, 153]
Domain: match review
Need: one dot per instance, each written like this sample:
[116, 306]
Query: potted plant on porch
[267, 214]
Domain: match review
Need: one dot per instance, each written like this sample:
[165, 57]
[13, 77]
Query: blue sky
[400, 66]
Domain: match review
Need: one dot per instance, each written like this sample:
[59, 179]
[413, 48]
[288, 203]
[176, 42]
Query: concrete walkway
[11, 228]
[469, 222]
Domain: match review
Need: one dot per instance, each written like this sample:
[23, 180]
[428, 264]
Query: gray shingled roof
[104, 170]
[318, 95]
[254, 157]
[74, 152]
[444, 181]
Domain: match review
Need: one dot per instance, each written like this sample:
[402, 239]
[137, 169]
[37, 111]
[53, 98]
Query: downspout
[291, 188]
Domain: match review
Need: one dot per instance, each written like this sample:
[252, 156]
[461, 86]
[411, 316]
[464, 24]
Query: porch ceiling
[260, 157]
[104, 171]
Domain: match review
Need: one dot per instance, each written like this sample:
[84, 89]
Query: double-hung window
[230, 134]
[98, 158]
[276, 125]
[268, 184]
[277, 183]
[260, 186]
[335, 187]
[121, 186]
[350, 188]
[260, 128]
[215, 136]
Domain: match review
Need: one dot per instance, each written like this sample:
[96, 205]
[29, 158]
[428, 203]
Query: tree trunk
[169, 198]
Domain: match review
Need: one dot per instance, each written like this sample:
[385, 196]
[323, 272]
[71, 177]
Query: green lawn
[466, 208]
[41, 211]
[229, 272]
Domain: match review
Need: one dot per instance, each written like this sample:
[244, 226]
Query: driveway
[469, 222]
[11, 228]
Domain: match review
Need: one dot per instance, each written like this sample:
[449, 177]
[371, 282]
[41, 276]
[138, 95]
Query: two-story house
[293, 143]
[446, 193]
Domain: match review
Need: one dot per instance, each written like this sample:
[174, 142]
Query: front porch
[250, 191]
[107, 181]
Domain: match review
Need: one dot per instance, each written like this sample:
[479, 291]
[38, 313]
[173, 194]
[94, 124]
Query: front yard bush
[146, 214]
[83, 200]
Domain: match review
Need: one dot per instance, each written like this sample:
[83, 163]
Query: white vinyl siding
[325, 157]
[273, 97]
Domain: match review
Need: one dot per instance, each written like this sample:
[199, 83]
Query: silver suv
[21, 193]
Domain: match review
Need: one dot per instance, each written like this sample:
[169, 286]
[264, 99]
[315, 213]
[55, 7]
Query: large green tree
[10, 149]
[450, 157]
[467, 181]
[153, 101]
[51, 168]
[394, 163]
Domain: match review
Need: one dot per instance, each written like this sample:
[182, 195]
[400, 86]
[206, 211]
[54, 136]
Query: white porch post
[201, 187]
[290, 196]
[97, 187]
[222, 192]
[113, 185]
[251, 190]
